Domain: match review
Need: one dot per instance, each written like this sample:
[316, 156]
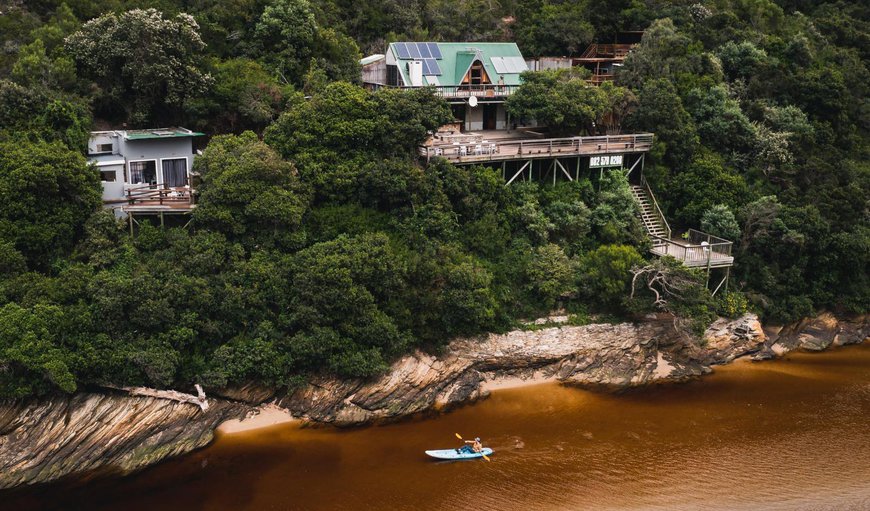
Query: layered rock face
[599, 355]
[820, 333]
[45, 440]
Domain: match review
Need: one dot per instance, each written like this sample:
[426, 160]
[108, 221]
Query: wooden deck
[700, 250]
[478, 147]
[150, 200]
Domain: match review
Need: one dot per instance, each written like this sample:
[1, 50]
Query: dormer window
[104, 148]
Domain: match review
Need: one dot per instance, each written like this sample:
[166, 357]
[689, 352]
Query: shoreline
[95, 431]
[261, 417]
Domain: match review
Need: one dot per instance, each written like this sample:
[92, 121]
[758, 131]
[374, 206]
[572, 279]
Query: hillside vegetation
[320, 244]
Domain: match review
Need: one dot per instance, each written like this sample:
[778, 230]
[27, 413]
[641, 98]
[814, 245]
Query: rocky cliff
[48, 439]
[45, 440]
[598, 355]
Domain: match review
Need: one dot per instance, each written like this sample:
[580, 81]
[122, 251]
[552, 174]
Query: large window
[143, 172]
[175, 172]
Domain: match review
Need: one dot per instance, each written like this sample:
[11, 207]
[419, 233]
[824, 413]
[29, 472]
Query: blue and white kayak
[458, 454]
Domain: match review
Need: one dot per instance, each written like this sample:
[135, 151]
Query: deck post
[130, 218]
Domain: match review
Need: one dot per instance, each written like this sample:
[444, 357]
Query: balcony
[489, 146]
[697, 250]
[151, 199]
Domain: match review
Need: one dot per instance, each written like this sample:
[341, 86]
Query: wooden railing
[484, 150]
[717, 245]
[606, 51]
[601, 78]
[657, 210]
[158, 195]
[702, 250]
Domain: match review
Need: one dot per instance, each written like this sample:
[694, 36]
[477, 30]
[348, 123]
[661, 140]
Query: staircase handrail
[658, 210]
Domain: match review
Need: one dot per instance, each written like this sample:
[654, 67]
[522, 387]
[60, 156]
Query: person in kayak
[475, 446]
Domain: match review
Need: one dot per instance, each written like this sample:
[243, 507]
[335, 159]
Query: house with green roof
[144, 169]
[475, 78]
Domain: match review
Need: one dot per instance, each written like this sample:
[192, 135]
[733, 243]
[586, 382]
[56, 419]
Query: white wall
[474, 118]
[113, 190]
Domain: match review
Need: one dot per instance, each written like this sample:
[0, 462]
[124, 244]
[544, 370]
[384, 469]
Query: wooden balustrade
[522, 148]
[155, 195]
[700, 250]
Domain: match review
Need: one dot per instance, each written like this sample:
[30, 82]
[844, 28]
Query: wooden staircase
[655, 223]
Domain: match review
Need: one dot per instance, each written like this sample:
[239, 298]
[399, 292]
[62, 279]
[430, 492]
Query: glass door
[175, 173]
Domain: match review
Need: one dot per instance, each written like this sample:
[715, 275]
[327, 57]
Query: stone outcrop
[96, 432]
[598, 355]
[820, 333]
[48, 439]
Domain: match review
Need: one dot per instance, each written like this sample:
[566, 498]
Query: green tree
[666, 52]
[605, 274]
[35, 69]
[741, 60]
[721, 123]
[48, 191]
[33, 358]
[549, 275]
[244, 97]
[660, 111]
[719, 221]
[708, 181]
[342, 290]
[249, 194]
[148, 66]
[285, 33]
[560, 99]
[555, 28]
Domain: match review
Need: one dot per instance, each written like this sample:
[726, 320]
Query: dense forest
[320, 243]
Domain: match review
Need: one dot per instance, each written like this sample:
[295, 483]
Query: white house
[144, 168]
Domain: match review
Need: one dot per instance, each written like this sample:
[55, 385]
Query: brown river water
[791, 434]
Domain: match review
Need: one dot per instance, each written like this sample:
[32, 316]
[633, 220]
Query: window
[104, 148]
[108, 176]
[143, 172]
[175, 172]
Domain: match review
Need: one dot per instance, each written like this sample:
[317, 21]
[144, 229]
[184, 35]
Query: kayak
[454, 454]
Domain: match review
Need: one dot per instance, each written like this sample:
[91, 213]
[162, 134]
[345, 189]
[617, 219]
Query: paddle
[484, 455]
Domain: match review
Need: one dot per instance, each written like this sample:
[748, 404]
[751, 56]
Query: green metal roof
[160, 133]
[457, 58]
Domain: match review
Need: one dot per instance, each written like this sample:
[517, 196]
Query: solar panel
[431, 67]
[413, 50]
[424, 50]
[434, 50]
[499, 65]
[402, 51]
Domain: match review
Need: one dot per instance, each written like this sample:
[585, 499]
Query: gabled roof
[499, 60]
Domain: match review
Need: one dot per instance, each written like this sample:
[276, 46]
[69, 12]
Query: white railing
[488, 90]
